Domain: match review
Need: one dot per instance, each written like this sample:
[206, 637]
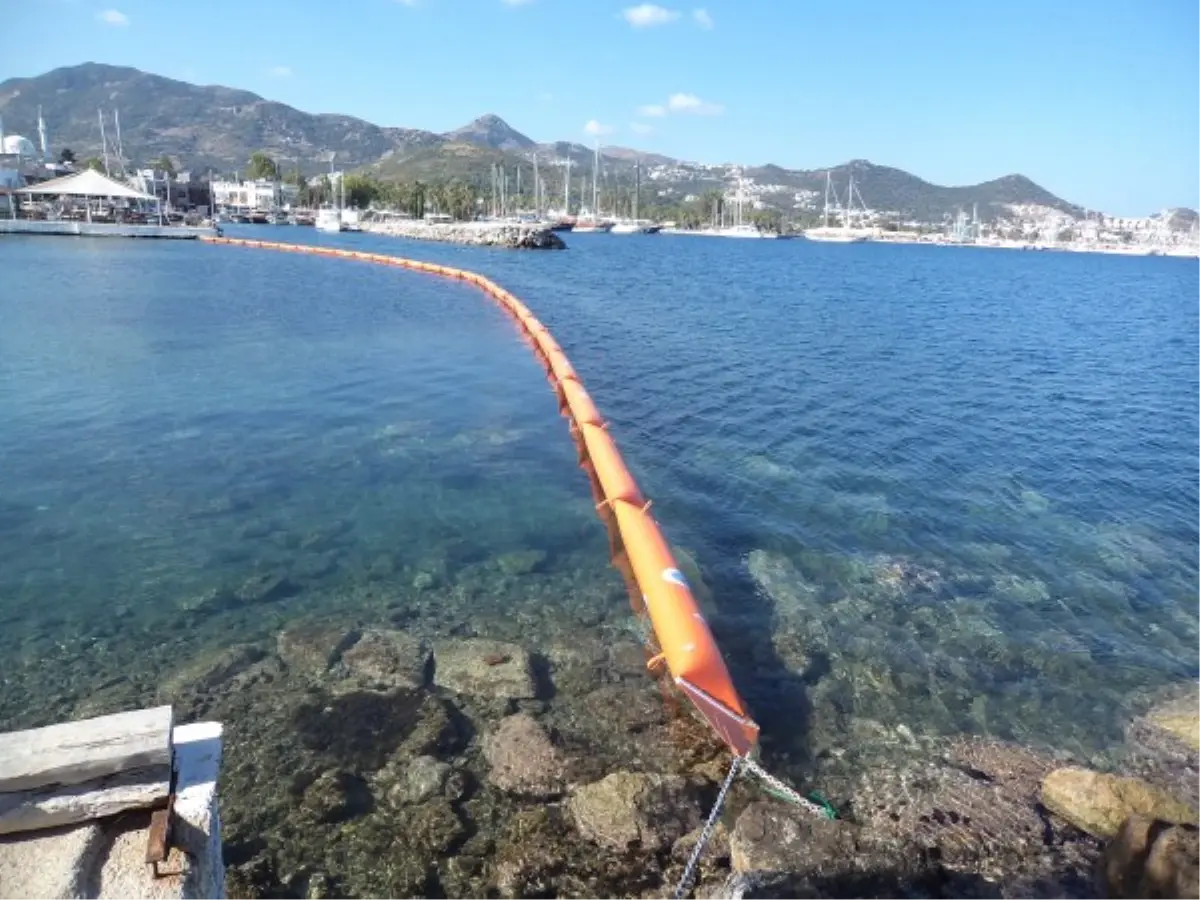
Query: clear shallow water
[942, 488]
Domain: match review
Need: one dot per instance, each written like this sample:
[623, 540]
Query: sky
[1096, 100]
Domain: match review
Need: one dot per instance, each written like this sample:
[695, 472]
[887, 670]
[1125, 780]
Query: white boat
[329, 219]
[846, 233]
[742, 230]
[350, 220]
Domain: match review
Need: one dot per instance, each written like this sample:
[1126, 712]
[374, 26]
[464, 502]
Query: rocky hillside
[208, 126]
[200, 126]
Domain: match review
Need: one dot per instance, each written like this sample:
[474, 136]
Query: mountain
[491, 131]
[200, 126]
[209, 126]
[900, 192]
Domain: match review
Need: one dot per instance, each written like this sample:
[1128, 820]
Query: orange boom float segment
[685, 643]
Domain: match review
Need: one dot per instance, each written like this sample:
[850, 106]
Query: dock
[104, 229]
[116, 806]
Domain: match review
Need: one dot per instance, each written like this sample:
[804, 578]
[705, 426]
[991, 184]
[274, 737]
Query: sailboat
[739, 229]
[329, 218]
[590, 222]
[635, 225]
[846, 234]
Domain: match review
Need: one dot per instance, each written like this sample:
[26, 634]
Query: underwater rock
[1151, 858]
[213, 599]
[210, 670]
[429, 829]
[628, 809]
[521, 562]
[1162, 744]
[774, 844]
[264, 587]
[311, 566]
[522, 758]
[363, 729]
[313, 646]
[1179, 718]
[976, 811]
[387, 659]
[335, 797]
[423, 778]
[714, 852]
[483, 668]
[1098, 803]
[424, 581]
[781, 581]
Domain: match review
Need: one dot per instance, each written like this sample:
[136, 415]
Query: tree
[361, 190]
[164, 163]
[94, 162]
[262, 166]
[67, 156]
[417, 207]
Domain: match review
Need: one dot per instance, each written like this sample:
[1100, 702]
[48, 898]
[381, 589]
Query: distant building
[260, 195]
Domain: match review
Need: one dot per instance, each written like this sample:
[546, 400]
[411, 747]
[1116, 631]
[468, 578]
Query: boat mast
[637, 185]
[567, 188]
[537, 193]
[849, 204]
[103, 140]
[828, 182]
[596, 182]
[120, 148]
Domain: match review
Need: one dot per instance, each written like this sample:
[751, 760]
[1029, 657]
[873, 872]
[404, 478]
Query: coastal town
[730, 201]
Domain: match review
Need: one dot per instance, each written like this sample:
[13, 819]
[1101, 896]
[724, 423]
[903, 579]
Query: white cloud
[690, 103]
[113, 17]
[642, 128]
[652, 110]
[280, 71]
[595, 129]
[647, 15]
[702, 18]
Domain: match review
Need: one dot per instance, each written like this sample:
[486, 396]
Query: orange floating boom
[685, 642]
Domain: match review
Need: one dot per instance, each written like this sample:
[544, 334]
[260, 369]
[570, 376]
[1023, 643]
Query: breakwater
[477, 234]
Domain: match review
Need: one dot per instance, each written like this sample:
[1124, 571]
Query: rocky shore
[476, 234]
[434, 765]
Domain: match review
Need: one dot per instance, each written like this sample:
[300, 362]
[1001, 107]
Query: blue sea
[944, 488]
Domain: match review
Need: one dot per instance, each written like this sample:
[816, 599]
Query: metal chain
[689, 872]
[785, 791]
[775, 786]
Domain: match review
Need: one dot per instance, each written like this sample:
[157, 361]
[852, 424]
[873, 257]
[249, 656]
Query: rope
[814, 803]
[689, 871]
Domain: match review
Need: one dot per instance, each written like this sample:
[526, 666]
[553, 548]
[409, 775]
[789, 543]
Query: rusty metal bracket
[158, 840]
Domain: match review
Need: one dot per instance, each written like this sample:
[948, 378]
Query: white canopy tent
[88, 183]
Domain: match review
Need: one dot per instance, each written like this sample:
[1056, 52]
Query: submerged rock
[335, 797]
[1098, 803]
[387, 659]
[264, 587]
[1151, 858]
[1179, 718]
[634, 809]
[484, 668]
[522, 758]
[1162, 744]
[773, 844]
[210, 670]
[313, 646]
[521, 562]
[423, 778]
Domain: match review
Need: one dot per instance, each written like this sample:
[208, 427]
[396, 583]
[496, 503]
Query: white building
[260, 195]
